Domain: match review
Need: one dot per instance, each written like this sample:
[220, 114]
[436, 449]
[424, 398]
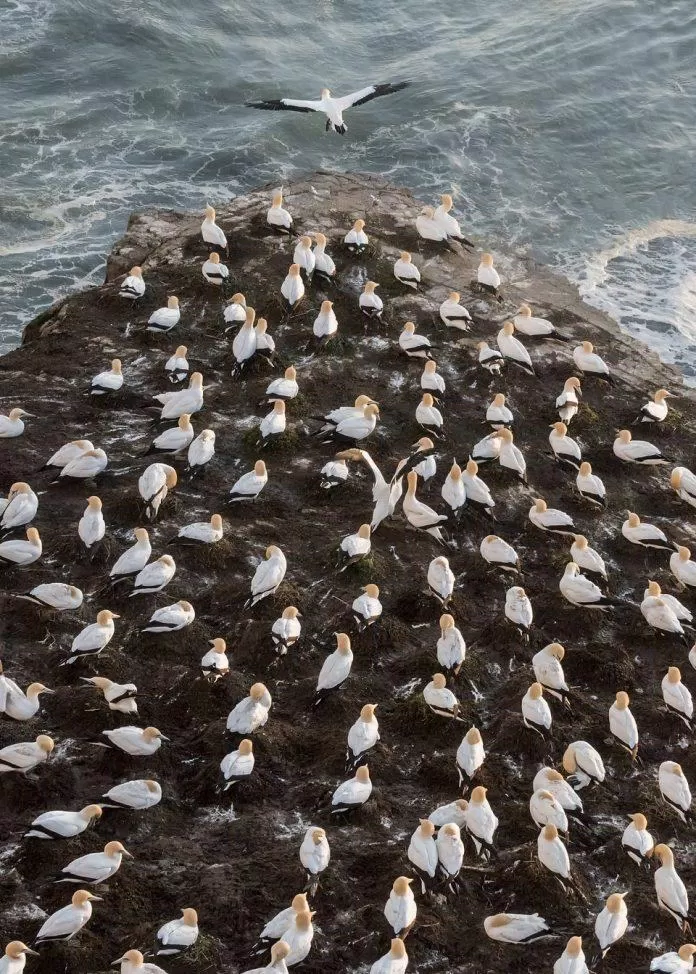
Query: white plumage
[25, 756]
[304, 256]
[183, 401]
[453, 314]
[676, 696]
[171, 618]
[133, 285]
[211, 232]
[406, 272]
[496, 551]
[22, 505]
[276, 216]
[201, 450]
[636, 840]
[414, 345]
[203, 532]
[674, 789]
[273, 424]
[370, 303]
[536, 712]
[178, 935]
[568, 403]
[268, 575]
[323, 263]
[440, 699]
[55, 595]
[547, 810]
[336, 667]
[138, 794]
[85, 467]
[470, 756]
[584, 765]
[622, 723]
[69, 920]
[441, 579]
[251, 712]
[119, 696]
[135, 558]
[136, 741]
[511, 348]
[95, 867]
[637, 451]
[611, 924]
[238, 764]
[428, 227]
[589, 362]
[154, 577]
[580, 590]
[175, 439]
[352, 793]
[292, 288]
[683, 568]
[586, 557]
[165, 318]
[177, 366]
[62, 825]
[486, 274]
[93, 638]
[419, 515]
[22, 551]
[325, 324]
[214, 271]
[154, 484]
[552, 853]
[516, 928]
[249, 485]
[91, 527]
[400, 910]
[518, 608]
[106, 382]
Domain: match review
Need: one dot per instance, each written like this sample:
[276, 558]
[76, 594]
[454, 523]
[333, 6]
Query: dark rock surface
[238, 867]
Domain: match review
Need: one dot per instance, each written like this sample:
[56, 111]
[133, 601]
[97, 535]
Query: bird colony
[347, 602]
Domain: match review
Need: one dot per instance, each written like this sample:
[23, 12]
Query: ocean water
[566, 128]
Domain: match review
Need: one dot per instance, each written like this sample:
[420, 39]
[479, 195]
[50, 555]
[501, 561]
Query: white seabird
[451, 812]
[453, 314]
[413, 345]
[277, 216]
[332, 107]
[268, 576]
[201, 532]
[93, 638]
[214, 663]
[583, 764]
[323, 263]
[518, 608]
[136, 741]
[63, 825]
[611, 923]
[481, 821]
[188, 401]
[177, 936]
[292, 289]
[356, 240]
[661, 616]
[249, 485]
[656, 410]
[251, 712]
[677, 697]
[548, 671]
[684, 483]
[637, 841]
[645, 535]
[177, 366]
[586, 557]
[637, 451]
[17, 704]
[582, 591]
[22, 551]
[470, 757]
[682, 567]
[135, 558]
[355, 427]
[298, 937]
[353, 793]
[333, 473]
[370, 303]
[91, 527]
[200, 452]
[165, 318]
[497, 413]
[622, 724]
[497, 552]
[12, 425]
[171, 618]
[55, 595]
[516, 928]
[154, 577]
[422, 853]
[431, 380]
[335, 669]
[428, 228]
[567, 403]
[214, 271]
[405, 271]
[510, 456]
[69, 920]
[211, 232]
[400, 910]
[551, 520]
[589, 363]
[536, 713]
[279, 923]
[362, 737]
[440, 699]
[545, 809]
[674, 789]
[447, 222]
[235, 311]
[450, 854]
[429, 416]
[315, 855]
[287, 630]
[25, 756]
[385, 496]
[451, 647]
[265, 345]
[476, 490]
[489, 358]
[119, 696]
[87, 466]
[354, 547]
[138, 794]
[238, 764]
[244, 343]
[133, 285]
[572, 960]
[677, 607]
[154, 484]
[453, 491]
[513, 350]
[285, 388]
[487, 276]
[565, 448]
[550, 780]
[272, 425]
[303, 255]
[325, 324]
[526, 324]
[95, 867]
[441, 580]
[589, 485]
[133, 962]
[419, 515]
[175, 439]
[107, 382]
[552, 853]
[675, 961]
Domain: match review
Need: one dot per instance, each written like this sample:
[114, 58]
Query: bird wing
[61, 923]
[266, 577]
[367, 94]
[286, 105]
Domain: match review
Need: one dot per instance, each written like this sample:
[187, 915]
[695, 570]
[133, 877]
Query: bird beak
[87, 679]
[163, 737]
[129, 854]
[115, 616]
[98, 898]
[119, 961]
[28, 950]
[46, 690]
[33, 416]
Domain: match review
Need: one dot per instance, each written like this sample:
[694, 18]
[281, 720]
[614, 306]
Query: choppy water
[567, 127]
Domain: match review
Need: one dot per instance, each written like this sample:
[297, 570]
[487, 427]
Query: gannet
[589, 363]
[415, 346]
[93, 638]
[353, 793]
[325, 324]
[138, 794]
[25, 756]
[95, 867]
[481, 821]
[548, 671]
[178, 935]
[451, 812]
[431, 380]
[272, 425]
[516, 928]
[450, 854]
[422, 853]
[211, 232]
[637, 451]
[21, 507]
[526, 324]
[512, 349]
[292, 289]
[175, 439]
[682, 567]
[244, 343]
[589, 485]
[661, 616]
[165, 318]
[268, 575]
[487, 276]
[336, 416]
[136, 741]
[453, 491]
[214, 663]
[622, 724]
[278, 217]
[385, 496]
[119, 696]
[536, 713]
[489, 358]
[451, 647]
[14, 958]
[91, 527]
[235, 311]
[583, 764]
[277, 924]
[202, 532]
[332, 107]
[497, 552]
[405, 271]
[545, 809]
[476, 490]
[680, 610]
[441, 580]
[552, 853]
[176, 366]
[285, 388]
[286, 631]
[15, 702]
[447, 222]
[356, 427]
[154, 484]
[429, 416]
[87, 466]
[238, 764]
[497, 413]
[265, 345]
[565, 448]
[551, 520]
[586, 557]
[582, 592]
[315, 855]
[470, 757]
[441, 700]
[251, 712]
[323, 263]
[362, 737]
[249, 485]
[453, 314]
[279, 952]
[135, 558]
[200, 452]
[354, 547]
[298, 936]
[303, 255]
[572, 960]
[69, 920]
[675, 961]
[133, 285]
[63, 825]
[356, 240]
[133, 962]
[335, 669]
[107, 382]
[674, 789]
[427, 227]
[645, 535]
[518, 608]
[423, 460]
[12, 425]
[400, 909]
[677, 697]
[654, 411]
[684, 483]
[183, 401]
[510, 456]
[395, 961]
[611, 924]
[214, 271]
[550, 780]
[637, 841]
[567, 403]
[154, 577]
[55, 595]
[22, 551]
[171, 618]
[419, 515]
[370, 303]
